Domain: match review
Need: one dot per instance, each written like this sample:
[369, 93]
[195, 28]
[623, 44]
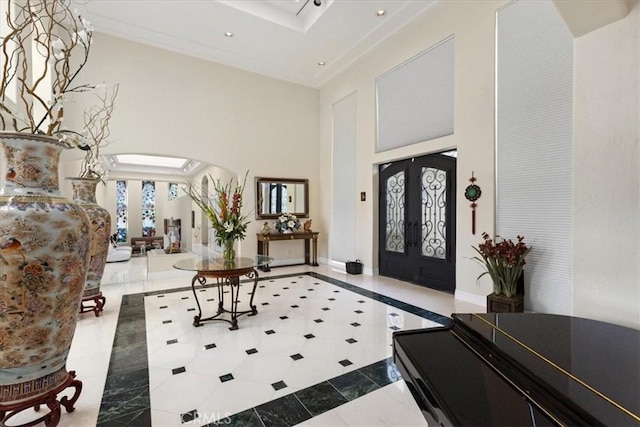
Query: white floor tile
[263, 368]
[373, 409]
[235, 396]
[309, 371]
[183, 392]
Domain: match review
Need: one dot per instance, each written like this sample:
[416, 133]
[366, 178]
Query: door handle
[416, 238]
[407, 235]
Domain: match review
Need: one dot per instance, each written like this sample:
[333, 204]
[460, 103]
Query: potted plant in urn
[503, 260]
[44, 238]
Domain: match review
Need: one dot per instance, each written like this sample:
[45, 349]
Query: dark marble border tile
[284, 411]
[126, 400]
[248, 418]
[382, 373]
[418, 311]
[320, 398]
[353, 384]
[309, 402]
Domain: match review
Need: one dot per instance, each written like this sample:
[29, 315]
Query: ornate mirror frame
[298, 200]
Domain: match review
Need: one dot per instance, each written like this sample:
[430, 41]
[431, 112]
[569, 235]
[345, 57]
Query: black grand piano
[519, 369]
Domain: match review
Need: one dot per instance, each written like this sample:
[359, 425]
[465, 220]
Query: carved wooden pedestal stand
[99, 302]
[50, 399]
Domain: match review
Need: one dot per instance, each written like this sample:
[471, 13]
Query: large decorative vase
[44, 252]
[84, 193]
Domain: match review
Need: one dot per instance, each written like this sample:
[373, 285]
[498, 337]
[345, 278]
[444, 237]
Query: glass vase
[228, 253]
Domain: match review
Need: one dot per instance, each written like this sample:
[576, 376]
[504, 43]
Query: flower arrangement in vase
[286, 223]
[503, 260]
[223, 207]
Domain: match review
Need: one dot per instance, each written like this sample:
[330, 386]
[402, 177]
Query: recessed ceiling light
[322, 63]
[228, 34]
[381, 12]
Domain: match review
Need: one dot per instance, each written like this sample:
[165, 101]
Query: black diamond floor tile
[188, 417]
[279, 385]
[225, 378]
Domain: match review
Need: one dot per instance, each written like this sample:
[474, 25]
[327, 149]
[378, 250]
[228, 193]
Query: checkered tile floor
[307, 331]
[325, 363]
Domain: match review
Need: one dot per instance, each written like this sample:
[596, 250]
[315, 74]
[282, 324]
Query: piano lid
[595, 365]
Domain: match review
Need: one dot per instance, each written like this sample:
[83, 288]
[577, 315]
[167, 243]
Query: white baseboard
[339, 265]
[476, 299]
[289, 261]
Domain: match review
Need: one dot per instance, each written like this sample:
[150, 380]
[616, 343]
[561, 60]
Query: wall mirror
[275, 196]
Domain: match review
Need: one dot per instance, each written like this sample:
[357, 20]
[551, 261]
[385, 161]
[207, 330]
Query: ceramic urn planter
[44, 253]
[84, 193]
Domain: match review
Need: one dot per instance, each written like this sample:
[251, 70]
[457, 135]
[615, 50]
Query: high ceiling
[284, 39]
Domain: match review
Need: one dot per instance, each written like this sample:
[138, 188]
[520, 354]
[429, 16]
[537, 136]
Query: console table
[310, 245]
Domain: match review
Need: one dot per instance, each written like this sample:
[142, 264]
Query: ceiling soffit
[295, 15]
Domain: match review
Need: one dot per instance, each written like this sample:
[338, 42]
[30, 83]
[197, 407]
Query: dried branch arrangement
[96, 131]
[44, 48]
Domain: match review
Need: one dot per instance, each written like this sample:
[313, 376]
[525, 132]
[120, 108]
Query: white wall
[534, 163]
[473, 24]
[606, 240]
[174, 105]
[343, 215]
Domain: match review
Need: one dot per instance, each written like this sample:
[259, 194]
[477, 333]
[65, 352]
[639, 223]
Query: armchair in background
[117, 253]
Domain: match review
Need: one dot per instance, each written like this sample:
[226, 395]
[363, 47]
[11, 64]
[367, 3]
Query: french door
[417, 221]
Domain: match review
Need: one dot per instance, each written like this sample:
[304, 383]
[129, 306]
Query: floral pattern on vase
[84, 193]
[44, 252]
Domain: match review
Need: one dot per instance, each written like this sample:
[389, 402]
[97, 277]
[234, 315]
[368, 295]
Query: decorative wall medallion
[473, 193]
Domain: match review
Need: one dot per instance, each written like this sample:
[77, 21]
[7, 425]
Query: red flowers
[223, 202]
[223, 208]
[237, 202]
[511, 253]
[503, 260]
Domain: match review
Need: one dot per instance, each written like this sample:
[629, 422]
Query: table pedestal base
[233, 282]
